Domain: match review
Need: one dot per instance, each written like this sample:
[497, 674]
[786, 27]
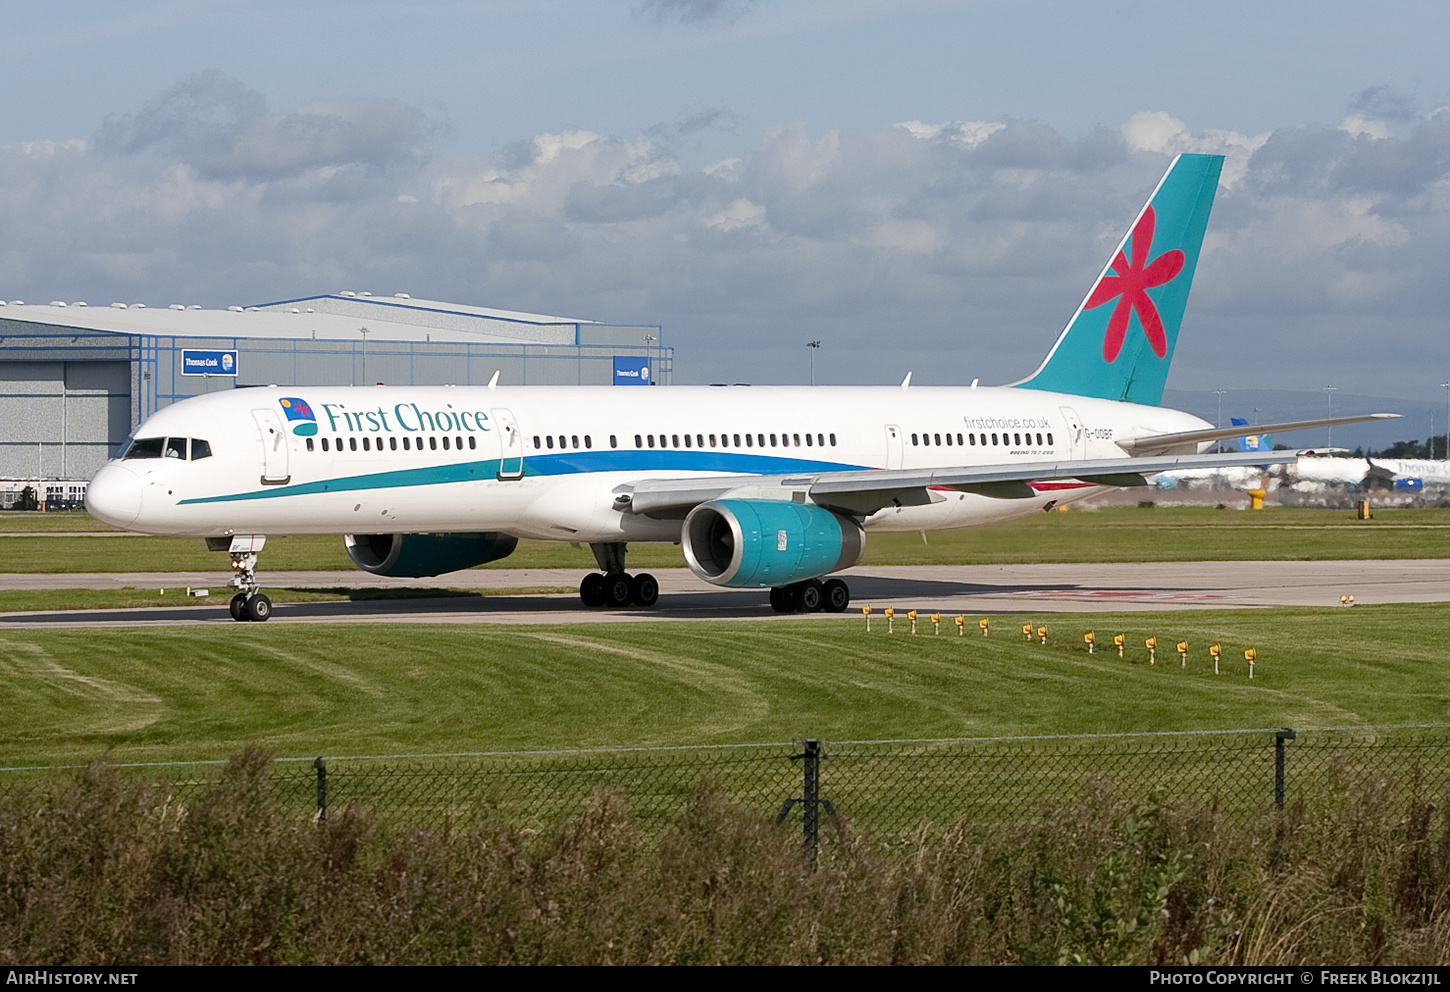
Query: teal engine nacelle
[759, 543]
[418, 555]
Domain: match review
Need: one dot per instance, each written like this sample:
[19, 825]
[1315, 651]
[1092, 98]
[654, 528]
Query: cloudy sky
[922, 186]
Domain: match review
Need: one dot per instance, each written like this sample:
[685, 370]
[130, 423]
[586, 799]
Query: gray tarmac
[948, 589]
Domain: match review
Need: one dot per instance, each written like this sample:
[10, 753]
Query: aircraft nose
[114, 496]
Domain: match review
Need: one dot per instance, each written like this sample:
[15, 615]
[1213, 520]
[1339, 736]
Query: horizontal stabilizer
[1158, 443]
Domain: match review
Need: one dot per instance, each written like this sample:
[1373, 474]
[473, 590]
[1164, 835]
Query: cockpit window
[145, 447]
[176, 448]
[199, 449]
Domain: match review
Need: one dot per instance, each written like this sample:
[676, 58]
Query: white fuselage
[544, 462]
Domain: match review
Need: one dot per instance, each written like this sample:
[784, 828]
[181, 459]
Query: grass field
[174, 694]
[1119, 534]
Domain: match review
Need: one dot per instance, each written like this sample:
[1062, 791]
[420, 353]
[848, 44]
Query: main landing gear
[614, 588]
[811, 596]
[250, 603]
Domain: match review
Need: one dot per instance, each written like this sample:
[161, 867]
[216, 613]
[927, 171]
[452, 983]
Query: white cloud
[895, 245]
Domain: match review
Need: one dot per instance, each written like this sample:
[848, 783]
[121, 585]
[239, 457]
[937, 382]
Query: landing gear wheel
[616, 590]
[238, 606]
[785, 599]
[258, 608]
[591, 590]
[644, 591]
[811, 595]
[837, 596]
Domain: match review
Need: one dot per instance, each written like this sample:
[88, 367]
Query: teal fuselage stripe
[570, 463]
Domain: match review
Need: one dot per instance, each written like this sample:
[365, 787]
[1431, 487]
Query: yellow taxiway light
[1215, 650]
[1183, 654]
[936, 623]
[911, 615]
[1152, 645]
[866, 612]
[1042, 633]
[890, 612]
[961, 626]
[1249, 655]
[1118, 640]
[1027, 631]
[1088, 640]
[983, 624]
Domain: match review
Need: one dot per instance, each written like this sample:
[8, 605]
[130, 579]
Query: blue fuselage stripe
[568, 463]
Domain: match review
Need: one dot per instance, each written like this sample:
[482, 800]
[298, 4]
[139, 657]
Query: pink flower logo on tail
[1130, 286]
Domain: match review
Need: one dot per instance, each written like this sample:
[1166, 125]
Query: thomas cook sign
[208, 363]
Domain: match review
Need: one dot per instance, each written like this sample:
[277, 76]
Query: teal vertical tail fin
[1119, 344]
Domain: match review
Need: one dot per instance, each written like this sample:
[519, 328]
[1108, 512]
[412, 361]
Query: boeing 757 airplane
[763, 487]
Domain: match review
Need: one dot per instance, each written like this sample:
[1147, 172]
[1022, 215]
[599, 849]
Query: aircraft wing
[1158, 443]
[863, 492]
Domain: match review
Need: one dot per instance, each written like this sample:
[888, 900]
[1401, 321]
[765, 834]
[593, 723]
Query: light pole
[1329, 435]
[649, 343]
[364, 332]
[1220, 393]
[1446, 386]
[814, 346]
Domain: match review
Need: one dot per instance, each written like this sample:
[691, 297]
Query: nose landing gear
[250, 603]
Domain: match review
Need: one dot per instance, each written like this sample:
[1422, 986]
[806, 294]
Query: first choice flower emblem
[1130, 286]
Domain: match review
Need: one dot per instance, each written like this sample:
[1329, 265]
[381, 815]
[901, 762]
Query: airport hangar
[76, 380]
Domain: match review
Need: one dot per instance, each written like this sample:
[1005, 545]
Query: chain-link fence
[881, 788]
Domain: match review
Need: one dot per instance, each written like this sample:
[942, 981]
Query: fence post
[1280, 736]
[810, 798]
[321, 768]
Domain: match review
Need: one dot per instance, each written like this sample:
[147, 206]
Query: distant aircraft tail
[1252, 442]
[1120, 342]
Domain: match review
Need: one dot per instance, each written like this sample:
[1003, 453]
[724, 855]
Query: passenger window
[201, 449]
[748, 439]
[651, 439]
[392, 444]
[309, 444]
[406, 442]
[550, 442]
[772, 441]
[737, 440]
[367, 445]
[432, 444]
[994, 440]
[674, 440]
[808, 440]
[587, 442]
[959, 440]
[638, 441]
[324, 444]
[687, 440]
[972, 440]
[712, 440]
[458, 443]
[445, 442]
[914, 441]
[472, 442]
[1049, 439]
[352, 444]
[538, 443]
[574, 441]
[833, 440]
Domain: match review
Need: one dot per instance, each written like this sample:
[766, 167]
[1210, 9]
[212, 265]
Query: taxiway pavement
[948, 589]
